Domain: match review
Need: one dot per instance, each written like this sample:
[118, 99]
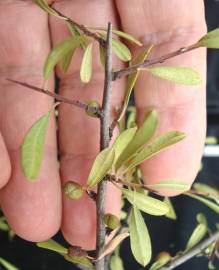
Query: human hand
[36, 210]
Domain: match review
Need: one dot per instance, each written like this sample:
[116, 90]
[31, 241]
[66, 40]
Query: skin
[37, 210]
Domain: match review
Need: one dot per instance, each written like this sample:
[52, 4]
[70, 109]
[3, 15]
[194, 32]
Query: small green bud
[163, 257]
[111, 221]
[92, 107]
[73, 190]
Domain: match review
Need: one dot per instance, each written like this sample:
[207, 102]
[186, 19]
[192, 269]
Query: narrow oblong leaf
[142, 136]
[178, 75]
[199, 232]
[60, 51]
[66, 60]
[122, 141]
[121, 50]
[111, 246]
[210, 192]
[32, 148]
[7, 264]
[210, 40]
[102, 53]
[80, 260]
[44, 5]
[171, 213]
[139, 238]
[213, 206]
[171, 185]
[132, 78]
[53, 245]
[86, 65]
[127, 37]
[159, 144]
[145, 203]
[116, 263]
[101, 166]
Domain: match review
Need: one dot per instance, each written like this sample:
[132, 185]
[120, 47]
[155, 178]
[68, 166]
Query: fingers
[170, 27]
[32, 209]
[78, 133]
[5, 165]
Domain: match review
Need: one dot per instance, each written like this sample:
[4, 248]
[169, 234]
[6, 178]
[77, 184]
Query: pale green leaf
[145, 203]
[3, 224]
[156, 265]
[178, 75]
[113, 244]
[116, 263]
[58, 52]
[171, 213]
[66, 60]
[75, 32]
[127, 36]
[101, 166]
[171, 185]
[213, 206]
[7, 264]
[159, 144]
[121, 50]
[32, 148]
[86, 65]
[210, 192]
[132, 78]
[142, 136]
[122, 141]
[210, 40]
[53, 245]
[131, 120]
[139, 238]
[44, 5]
[102, 53]
[162, 259]
[80, 260]
[199, 233]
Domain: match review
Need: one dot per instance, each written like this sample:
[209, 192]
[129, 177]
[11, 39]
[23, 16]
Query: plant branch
[60, 98]
[129, 70]
[84, 29]
[104, 142]
[191, 253]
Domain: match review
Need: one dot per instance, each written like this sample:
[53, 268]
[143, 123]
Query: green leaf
[210, 192]
[53, 245]
[178, 75]
[121, 50]
[142, 136]
[131, 120]
[101, 166]
[122, 141]
[132, 78]
[80, 260]
[86, 65]
[159, 144]
[59, 52]
[3, 224]
[44, 5]
[139, 238]
[171, 185]
[102, 53]
[127, 36]
[145, 203]
[66, 60]
[206, 202]
[75, 32]
[171, 213]
[162, 259]
[210, 40]
[199, 232]
[7, 264]
[32, 148]
[116, 263]
[113, 244]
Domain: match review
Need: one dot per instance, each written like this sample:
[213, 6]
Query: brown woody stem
[104, 143]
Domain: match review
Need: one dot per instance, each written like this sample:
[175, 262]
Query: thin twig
[191, 253]
[129, 70]
[104, 142]
[60, 98]
[84, 29]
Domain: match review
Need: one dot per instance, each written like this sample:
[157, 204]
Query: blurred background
[166, 234]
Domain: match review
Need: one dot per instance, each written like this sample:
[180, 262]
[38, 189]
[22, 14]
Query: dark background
[166, 234]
